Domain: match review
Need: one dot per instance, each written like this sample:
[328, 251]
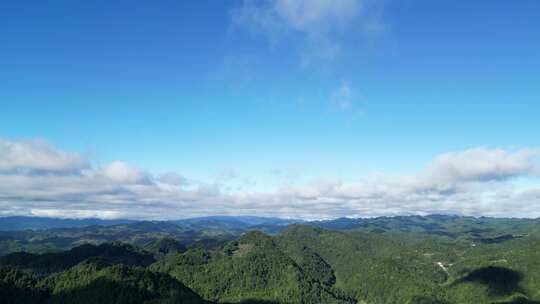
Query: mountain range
[436, 259]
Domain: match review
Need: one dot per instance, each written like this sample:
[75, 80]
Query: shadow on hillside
[253, 301]
[114, 253]
[500, 281]
[426, 300]
[520, 300]
[105, 291]
[16, 295]
[249, 301]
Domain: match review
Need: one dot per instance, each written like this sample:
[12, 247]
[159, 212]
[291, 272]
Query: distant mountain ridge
[14, 223]
[242, 223]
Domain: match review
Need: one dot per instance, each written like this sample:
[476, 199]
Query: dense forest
[414, 259]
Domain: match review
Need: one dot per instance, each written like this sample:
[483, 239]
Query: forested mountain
[137, 233]
[46, 263]
[433, 259]
[253, 267]
[235, 223]
[450, 226]
[208, 230]
[94, 281]
[382, 270]
[97, 281]
[14, 223]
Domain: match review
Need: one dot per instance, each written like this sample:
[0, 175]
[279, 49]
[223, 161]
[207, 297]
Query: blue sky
[261, 96]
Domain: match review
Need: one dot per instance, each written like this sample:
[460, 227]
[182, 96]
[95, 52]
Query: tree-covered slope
[369, 267]
[252, 268]
[42, 264]
[500, 272]
[164, 246]
[97, 281]
[378, 269]
[94, 281]
[17, 286]
[411, 260]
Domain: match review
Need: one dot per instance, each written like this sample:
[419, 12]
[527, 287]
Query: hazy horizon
[257, 216]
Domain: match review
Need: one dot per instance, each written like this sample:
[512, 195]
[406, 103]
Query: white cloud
[58, 183]
[61, 213]
[34, 156]
[319, 23]
[120, 172]
[483, 165]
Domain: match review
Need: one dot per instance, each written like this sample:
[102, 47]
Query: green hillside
[252, 268]
[376, 269]
[46, 263]
[96, 281]
[420, 260]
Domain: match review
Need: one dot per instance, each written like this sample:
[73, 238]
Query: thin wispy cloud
[317, 24]
[474, 182]
[346, 98]
[342, 98]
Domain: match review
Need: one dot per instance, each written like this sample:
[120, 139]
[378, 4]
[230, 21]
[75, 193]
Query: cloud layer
[38, 179]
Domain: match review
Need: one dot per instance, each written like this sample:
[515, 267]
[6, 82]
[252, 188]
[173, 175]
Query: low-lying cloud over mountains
[37, 178]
